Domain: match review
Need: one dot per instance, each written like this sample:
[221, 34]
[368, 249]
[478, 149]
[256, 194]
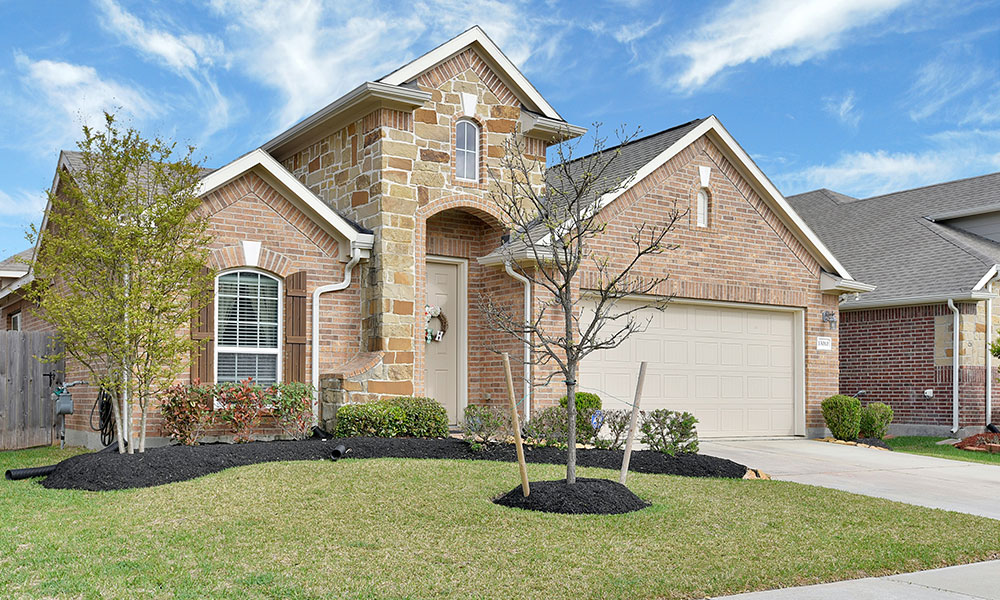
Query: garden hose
[106, 424]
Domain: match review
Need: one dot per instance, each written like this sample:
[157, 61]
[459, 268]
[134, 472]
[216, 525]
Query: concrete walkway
[972, 488]
[979, 581]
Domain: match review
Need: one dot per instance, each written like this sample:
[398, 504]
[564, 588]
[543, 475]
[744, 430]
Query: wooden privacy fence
[27, 413]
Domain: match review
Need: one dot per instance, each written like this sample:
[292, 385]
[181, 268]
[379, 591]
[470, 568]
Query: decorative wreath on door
[430, 313]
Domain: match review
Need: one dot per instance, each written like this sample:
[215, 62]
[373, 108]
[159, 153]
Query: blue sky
[861, 96]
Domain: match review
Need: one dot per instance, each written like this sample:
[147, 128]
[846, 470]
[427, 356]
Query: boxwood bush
[843, 416]
[586, 405]
[875, 420]
[406, 416]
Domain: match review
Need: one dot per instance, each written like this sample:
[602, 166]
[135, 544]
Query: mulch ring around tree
[101, 471]
[586, 496]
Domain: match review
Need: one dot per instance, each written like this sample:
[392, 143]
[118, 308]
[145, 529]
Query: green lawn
[917, 444]
[394, 528]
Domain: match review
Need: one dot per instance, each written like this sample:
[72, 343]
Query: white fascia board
[986, 278]
[917, 300]
[474, 35]
[368, 91]
[829, 282]
[539, 126]
[12, 273]
[315, 207]
[16, 285]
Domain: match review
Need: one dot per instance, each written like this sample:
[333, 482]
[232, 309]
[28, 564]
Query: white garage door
[733, 368]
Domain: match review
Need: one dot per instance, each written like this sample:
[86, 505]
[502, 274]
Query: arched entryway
[462, 365]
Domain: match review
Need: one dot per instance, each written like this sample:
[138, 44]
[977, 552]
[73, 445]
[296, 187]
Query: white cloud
[182, 53]
[62, 96]
[783, 31]
[189, 55]
[313, 52]
[944, 80]
[844, 109]
[22, 204]
[949, 155]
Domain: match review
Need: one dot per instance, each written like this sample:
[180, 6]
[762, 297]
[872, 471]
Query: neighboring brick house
[343, 228]
[923, 248]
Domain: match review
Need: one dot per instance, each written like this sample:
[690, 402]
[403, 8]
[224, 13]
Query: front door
[444, 356]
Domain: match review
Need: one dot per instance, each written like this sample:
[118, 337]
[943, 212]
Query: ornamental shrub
[875, 420]
[549, 427]
[843, 416]
[396, 417]
[669, 432]
[617, 422]
[586, 405]
[187, 412]
[485, 423]
[292, 407]
[240, 406]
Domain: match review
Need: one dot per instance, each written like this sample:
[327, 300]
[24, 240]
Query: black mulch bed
[874, 442]
[157, 466]
[586, 496]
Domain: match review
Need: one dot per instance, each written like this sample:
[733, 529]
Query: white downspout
[954, 365]
[333, 287]
[527, 345]
[989, 355]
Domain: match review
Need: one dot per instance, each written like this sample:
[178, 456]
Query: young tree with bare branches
[553, 231]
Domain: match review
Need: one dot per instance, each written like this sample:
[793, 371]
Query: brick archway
[231, 257]
[483, 208]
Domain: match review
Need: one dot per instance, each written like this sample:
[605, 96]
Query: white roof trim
[712, 125]
[16, 285]
[313, 205]
[829, 282]
[11, 273]
[986, 278]
[917, 300]
[474, 35]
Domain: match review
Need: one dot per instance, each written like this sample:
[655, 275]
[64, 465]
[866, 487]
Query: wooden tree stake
[632, 423]
[516, 425]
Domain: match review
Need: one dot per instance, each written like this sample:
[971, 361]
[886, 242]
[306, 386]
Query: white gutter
[954, 365]
[989, 356]
[973, 296]
[527, 345]
[356, 255]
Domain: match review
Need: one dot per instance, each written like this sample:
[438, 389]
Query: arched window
[467, 150]
[702, 216]
[247, 327]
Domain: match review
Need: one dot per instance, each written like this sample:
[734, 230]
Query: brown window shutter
[202, 329]
[295, 327]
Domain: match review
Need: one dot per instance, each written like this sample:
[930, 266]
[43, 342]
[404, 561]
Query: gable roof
[902, 242]
[395, 90]
[16, 265]
[502, 66]
[641, 157]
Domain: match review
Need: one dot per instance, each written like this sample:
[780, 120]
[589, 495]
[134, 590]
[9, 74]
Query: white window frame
[15, 321]
[474, 153]
[239, 349]
[702, 200]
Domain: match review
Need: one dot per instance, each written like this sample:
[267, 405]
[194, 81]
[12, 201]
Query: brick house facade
[363, 211]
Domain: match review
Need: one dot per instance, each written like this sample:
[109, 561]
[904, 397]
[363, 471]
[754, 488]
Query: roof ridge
[948, 234]
[930, 185]
[630, 142]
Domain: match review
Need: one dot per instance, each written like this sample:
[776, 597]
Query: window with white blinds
[467, 150]
[247, 327]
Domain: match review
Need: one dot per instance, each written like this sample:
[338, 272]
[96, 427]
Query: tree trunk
[571, 416]
[127, 420]
[144, 408]
[116, 406]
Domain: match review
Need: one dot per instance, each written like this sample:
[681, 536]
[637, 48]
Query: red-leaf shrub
[240, 405]
[187, 412]
[292, 406]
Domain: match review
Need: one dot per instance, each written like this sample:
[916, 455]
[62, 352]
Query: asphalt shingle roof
[888, 240]
[17, 262]
[632, 157]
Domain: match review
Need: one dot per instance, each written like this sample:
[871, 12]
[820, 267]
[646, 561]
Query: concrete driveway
[933, 482]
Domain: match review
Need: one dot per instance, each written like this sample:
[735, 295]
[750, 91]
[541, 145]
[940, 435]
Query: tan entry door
[445, 359]
[732, 367]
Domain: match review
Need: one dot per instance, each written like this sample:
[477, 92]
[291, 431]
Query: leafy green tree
[119, 270]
